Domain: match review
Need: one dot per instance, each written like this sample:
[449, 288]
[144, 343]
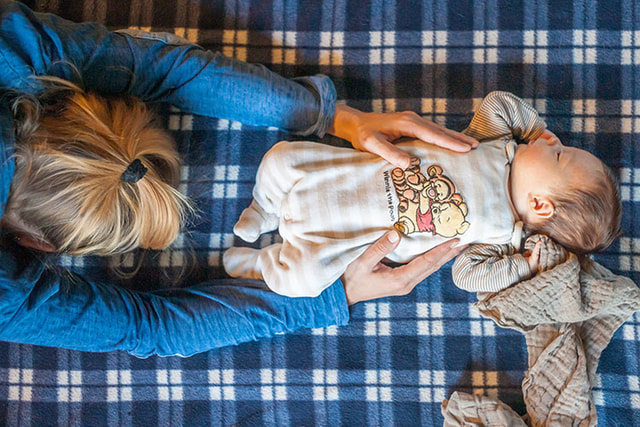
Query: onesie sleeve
[502, 114]
[489, 268]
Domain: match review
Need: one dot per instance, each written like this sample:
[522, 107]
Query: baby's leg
[298, 270]
[285, 269]
[243, 263]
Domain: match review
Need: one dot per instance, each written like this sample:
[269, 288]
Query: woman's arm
[164, 67]
[157, 67]
[61, 309]
[42, 307]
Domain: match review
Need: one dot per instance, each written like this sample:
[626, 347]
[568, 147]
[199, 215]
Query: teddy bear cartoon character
[413, 204]
[439, 186]
[449, 218]
[408, 184]
[417, 195]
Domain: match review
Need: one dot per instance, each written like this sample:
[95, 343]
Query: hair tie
[134, 173]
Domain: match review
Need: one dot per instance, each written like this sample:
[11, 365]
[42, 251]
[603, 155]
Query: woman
[39, 306]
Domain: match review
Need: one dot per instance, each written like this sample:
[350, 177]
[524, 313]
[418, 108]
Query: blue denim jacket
[39, 306]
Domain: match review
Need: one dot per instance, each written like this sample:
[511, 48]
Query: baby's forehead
[584, 165]
[584, 158]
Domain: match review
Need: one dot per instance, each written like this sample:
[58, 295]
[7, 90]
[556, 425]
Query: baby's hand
[533, 257]
[550, 137]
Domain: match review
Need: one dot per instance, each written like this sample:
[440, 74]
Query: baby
[329, 204]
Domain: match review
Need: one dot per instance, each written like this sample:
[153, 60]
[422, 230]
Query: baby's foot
[253, 222]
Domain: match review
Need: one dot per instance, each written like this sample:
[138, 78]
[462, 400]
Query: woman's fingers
[426, 264]
[376, 132]
[379, 250]
[433, 133]
[367, 278]
[379, 145]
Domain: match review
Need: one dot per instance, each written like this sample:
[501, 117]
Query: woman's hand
[368, 278]
[375, 132]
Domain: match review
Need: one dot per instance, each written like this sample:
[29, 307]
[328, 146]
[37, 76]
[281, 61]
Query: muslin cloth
[568, 314]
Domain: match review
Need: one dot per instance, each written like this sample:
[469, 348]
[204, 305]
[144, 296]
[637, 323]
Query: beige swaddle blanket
[568, 314]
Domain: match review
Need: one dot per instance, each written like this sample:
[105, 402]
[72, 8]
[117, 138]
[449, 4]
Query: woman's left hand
[375, 132]
[367, 278]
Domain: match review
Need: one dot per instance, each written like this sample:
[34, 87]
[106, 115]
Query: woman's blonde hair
[70, 157]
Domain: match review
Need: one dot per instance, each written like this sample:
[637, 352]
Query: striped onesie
[329, 203]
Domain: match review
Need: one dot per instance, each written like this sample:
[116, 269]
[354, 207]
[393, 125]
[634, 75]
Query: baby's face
[544, 166]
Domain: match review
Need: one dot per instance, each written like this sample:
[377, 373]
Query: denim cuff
[337, 306]
[325, 93]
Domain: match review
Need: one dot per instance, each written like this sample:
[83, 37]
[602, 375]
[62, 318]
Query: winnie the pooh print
[428, 203]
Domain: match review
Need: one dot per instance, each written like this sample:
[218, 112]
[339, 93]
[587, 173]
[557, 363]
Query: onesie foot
[243, 263]
[253, 222]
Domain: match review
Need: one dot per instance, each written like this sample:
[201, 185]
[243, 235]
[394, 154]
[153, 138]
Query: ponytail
[71, 158]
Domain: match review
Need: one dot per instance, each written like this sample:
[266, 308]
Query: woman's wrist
[344, 123]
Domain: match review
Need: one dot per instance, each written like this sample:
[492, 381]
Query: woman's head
[68, 189]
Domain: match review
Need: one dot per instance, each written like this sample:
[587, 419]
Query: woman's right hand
[376, 132]
[368, 278]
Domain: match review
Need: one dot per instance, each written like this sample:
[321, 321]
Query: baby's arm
[502, 114]
[490, 268]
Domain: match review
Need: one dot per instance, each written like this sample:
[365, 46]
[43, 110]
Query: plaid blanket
[399, 357]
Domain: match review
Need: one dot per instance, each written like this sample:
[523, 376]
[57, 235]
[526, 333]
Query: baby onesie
[329, 203]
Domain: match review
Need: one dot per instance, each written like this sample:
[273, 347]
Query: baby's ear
[541, 207]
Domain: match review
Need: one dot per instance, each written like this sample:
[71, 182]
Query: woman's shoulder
[21, 51]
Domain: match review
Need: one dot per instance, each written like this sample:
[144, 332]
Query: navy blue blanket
[575, 61]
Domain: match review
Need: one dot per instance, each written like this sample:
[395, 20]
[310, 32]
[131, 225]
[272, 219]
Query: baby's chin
[520, 148]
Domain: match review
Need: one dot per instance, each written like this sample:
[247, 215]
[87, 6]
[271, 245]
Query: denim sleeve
[159, 67]
[39, 306]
